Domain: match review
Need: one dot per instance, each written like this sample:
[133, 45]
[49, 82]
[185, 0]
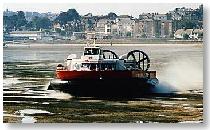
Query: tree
[112, 16]
[21, 20]
[157, 35]
[73, 14]
[45, 23]
[30, 26]
[70, 15]
[15, 22]
[169, 16]
[10, 22]
[128, 34]
[63, 33]
[58, 30]
[41, 23]
[200, 35]
[71, 21]
[89, 24]
[143, 35]
[185, 36]
[188, 24]
[62, 18]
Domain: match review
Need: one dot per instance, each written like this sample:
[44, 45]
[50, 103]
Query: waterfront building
[104, 28]
[26, 35]
[149, 29]
[138, 28]
[166, 29]
[196, 34]
[160, 17]
[125, 25]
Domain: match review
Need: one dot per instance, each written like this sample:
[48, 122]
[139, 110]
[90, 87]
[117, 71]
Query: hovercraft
[103, 73]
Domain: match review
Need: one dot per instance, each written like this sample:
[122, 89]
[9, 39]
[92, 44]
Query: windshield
[91, 51]
[99, 66]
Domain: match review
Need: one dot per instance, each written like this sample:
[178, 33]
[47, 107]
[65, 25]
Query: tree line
[19, 22]
[71, 21]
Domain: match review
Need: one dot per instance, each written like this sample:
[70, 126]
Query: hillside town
[179, 23]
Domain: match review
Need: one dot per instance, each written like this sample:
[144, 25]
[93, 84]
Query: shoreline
[101, 44]
[108, 42]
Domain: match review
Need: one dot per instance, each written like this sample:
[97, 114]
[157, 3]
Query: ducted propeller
[140, 59]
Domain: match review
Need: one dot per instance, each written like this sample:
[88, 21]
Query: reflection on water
[59, 95]
[27, 72]
[26, 112]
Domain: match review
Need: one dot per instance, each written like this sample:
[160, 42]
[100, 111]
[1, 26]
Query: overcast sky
[133, 9]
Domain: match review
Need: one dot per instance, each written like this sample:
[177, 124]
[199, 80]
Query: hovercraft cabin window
[101, 66]
[91, 51]
[107, 66]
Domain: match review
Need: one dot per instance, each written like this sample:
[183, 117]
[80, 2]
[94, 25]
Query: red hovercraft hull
[106, 83]
[102, 73]
[69, 75]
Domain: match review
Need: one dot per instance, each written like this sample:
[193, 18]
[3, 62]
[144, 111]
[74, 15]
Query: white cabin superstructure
[93, 59]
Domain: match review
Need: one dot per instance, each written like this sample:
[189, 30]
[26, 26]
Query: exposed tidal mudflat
[28, 68]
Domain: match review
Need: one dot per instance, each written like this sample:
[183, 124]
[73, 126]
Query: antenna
[93, 37]
[94, 40]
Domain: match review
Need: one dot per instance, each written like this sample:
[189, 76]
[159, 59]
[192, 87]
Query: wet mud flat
[180, 108]
[27, 100]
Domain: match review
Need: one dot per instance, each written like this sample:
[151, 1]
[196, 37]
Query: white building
[125, 26]
[26, 35]
[104, 28]
[192, 33]
[179, 34]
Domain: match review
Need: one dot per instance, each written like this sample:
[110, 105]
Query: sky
[133, 9]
